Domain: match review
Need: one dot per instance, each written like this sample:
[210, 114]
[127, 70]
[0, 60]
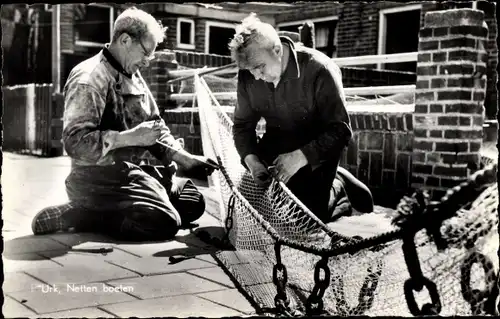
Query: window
[217, 37]
[185, 34]
[325, 30]
[393, 38]
[94, 25]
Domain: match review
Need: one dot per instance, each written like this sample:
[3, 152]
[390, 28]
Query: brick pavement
[55, 275]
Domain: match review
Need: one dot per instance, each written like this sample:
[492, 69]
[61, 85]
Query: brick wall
[449, 100]
[358, 23]
[170, 20]
[308, 12]
[491, 103]
[156, 76]
[67, 30]
[379, 154]
[358, 32]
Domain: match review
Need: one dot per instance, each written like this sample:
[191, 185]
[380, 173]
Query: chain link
[434, 308]
[478, 299]
[223, 243]
[314, 304]
[280, 279]
[418, 281]
[367, 293]
[229, 219]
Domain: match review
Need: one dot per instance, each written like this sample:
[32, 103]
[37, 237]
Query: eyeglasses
[149, 56]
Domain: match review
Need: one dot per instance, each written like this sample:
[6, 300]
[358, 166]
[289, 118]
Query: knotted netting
[422, 258]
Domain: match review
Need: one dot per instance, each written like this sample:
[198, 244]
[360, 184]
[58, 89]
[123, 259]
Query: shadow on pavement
[55, 245]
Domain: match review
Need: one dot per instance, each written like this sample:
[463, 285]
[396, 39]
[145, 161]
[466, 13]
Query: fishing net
[441, 255]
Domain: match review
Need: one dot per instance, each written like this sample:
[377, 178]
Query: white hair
[252, 31]
[137, 23]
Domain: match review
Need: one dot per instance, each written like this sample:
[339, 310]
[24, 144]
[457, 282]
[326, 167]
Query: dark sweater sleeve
[245, 122]
[333, 117]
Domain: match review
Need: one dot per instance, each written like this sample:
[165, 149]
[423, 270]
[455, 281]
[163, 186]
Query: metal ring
[434, 307]
[475, 295]
[322, 265]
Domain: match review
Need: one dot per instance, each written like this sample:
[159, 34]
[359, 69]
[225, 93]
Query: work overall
[130, 201]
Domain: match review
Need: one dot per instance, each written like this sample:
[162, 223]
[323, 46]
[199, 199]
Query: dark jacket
[305, 111]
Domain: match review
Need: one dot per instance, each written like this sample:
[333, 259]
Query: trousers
[132, 202]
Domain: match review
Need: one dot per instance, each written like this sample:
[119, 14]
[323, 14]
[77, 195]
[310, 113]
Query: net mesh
[364, 282]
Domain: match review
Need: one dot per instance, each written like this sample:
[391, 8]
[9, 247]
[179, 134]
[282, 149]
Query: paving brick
[13, 309]
[160, 265]
[263, 295]
[231, 298]
[68, 258]
[212, 205]
[179, 306]
[79, 313]
[18, 281]
[168, 248]
[191, 239]
[22, 262]
[215, 274]
[84, 273]
[167, 285]
[230, 257]
[81, 240]
[251, 274]
[31, 244]
[16, 232]
[207, 258]
[43, 301]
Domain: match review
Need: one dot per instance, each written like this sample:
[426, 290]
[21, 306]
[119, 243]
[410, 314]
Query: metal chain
[367, 293]
[418, 281]
[479, 300]
[314, 304]
[280, 279]
[411, 210]
[229, 219]
[223, 243]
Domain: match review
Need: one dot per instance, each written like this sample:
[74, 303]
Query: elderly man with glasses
[110, 121]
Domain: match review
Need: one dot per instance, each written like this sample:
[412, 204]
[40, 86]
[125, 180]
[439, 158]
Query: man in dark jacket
[299, 92]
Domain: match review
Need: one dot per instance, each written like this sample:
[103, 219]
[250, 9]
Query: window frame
[84, 43]
[215, 24]
[382, 26]
[191, 45]
[315, 20]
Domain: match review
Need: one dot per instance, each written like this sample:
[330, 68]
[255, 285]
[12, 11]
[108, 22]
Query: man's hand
[286, 165]
[258, 170]
[197, 162]
[194, 164]
[146, 133]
